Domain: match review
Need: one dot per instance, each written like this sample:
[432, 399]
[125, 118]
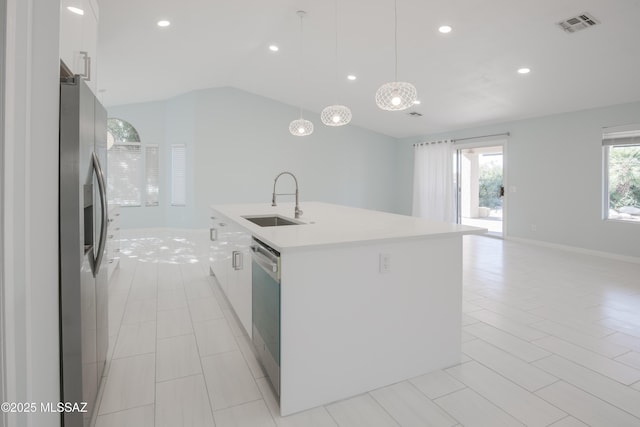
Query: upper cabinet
[79, 38]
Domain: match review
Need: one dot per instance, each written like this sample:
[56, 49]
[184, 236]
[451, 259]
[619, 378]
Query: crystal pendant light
[396, 96]
[336, 115]
[301, 127]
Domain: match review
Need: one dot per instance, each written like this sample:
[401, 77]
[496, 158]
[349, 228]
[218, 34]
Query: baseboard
[575, 249]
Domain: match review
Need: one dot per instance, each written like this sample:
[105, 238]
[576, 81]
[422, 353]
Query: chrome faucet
[298, 212]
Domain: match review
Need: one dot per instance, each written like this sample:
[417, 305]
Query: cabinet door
[219, 252]
[230, 262]
[240, 287]
[71, 33]
[79, 38]
[90, 46]
[112, 257]
[113, 239]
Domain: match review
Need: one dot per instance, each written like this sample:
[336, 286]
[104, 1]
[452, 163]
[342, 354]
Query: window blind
[152, 162]
[124, 163]
[624, 137]
[178, 175]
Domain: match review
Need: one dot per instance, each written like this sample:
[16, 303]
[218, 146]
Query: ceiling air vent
[415, 114]
[577, 23]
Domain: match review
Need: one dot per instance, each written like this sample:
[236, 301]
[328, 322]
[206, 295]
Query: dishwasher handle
[268, 261]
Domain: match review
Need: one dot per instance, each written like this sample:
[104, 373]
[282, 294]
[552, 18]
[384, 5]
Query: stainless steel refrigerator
[84, 334]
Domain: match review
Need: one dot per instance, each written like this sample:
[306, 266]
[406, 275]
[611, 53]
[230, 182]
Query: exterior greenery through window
[122, 131]
[490, 183]
[622, 164]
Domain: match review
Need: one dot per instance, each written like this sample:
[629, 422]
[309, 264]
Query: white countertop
[327, 225]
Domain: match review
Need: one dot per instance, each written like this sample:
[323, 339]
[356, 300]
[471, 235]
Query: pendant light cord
[395, 25]
[336, 48]
[301, 14]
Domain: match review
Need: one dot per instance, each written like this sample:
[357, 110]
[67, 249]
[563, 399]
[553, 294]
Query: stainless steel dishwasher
[265, 301]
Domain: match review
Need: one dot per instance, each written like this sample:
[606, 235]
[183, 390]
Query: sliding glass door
[479, 179]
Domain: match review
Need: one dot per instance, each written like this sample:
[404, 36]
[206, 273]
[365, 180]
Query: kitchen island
[367, 298]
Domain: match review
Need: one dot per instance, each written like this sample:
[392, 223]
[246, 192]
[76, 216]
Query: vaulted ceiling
[465, 78]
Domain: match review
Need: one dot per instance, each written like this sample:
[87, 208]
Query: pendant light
[301, 127]
[336, 115]
[396, 96]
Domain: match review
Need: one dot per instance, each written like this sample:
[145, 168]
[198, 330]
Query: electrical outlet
[534, 227]
[385, 263]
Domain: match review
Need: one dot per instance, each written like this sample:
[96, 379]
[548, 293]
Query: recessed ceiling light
[445, 29]
[75, 10]
[351, 77]
[163, 23]
[524, 70]
[417, 102]
[274, 48]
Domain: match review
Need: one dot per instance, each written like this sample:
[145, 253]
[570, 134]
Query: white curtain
[433, 186]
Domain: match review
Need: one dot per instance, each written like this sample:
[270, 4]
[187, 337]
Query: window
[122, 131]
[125, 174]
[621, 148]
[151, 167]
[133, 173]
[178, 175]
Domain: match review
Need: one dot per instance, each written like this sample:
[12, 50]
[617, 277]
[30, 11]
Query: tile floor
[550, 338]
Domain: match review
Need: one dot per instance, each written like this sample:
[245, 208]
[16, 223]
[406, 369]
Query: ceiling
[466, 78]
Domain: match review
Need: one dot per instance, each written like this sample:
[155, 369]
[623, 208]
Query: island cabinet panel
[348, 328]
[230, 263]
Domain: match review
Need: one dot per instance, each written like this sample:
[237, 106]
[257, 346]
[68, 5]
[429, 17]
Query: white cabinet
[113, 239]
[239, 275]
[230, 262]
[79, 38]
[219, 253]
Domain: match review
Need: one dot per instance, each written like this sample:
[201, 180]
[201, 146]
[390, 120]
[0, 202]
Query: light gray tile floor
[551, 338]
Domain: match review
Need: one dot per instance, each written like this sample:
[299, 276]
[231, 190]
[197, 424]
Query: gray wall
[238, 142]
[555, 163]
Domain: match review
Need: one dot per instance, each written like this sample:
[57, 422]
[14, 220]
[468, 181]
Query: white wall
[238, 142]
[30, 180]
[555, 163]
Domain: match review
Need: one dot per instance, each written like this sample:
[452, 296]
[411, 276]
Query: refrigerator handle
[103, 202]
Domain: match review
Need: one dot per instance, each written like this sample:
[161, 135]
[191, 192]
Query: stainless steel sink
[271, 220]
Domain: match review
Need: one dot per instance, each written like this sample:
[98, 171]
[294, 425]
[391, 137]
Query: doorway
[480, 182]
